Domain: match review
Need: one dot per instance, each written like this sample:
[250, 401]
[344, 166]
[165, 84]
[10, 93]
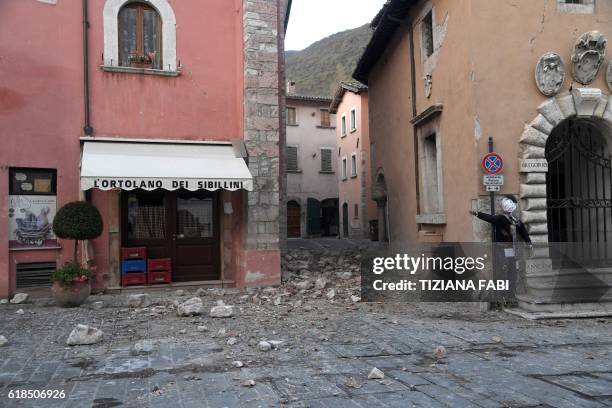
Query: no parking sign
[492, 163]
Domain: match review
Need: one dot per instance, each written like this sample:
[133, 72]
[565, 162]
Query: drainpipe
[87, 128]
[414, 114]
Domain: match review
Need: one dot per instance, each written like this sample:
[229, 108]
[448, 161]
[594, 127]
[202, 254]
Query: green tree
[78, 220]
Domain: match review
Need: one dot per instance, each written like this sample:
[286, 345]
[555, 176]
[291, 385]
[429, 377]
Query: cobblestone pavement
[492, 359]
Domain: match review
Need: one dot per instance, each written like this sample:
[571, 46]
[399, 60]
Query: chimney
[290, 87]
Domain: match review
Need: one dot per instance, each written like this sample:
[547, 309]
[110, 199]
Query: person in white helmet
[507, 227]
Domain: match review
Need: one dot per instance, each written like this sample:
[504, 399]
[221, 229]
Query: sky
[312, 20]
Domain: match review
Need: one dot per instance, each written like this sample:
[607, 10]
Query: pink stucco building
[358, 214]
[312, 189]
[164, 114]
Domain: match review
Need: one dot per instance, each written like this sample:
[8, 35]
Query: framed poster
[32, 207]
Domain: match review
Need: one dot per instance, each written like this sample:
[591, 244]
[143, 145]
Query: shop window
[326, 160]
[292, 159]
[291, 117]
[139, 37]
[195, 217]
[325, 121]
[427, 38]
[146, 215]
[32, 207]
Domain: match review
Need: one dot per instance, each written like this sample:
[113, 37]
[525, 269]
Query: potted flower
[77, 221]
[142, 61]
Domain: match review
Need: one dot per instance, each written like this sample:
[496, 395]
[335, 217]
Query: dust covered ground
[307, 343]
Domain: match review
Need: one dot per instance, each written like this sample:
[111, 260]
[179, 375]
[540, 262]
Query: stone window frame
[427, 9]
[353, 124]
[295, 116]
[111, 37]
[585, 7]
[436, 215]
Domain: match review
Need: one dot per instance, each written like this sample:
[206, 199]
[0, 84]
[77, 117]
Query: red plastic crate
[133, 253]
[162, 264]
[159, 277]
[135, 278]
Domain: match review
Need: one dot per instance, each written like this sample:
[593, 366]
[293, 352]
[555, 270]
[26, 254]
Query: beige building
[445, 75]
[357, 210]
[312, 187]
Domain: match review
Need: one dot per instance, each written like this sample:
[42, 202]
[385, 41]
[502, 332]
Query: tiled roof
[311, 98]
[352, 86]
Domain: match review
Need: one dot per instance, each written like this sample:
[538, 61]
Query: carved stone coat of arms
[587, 57]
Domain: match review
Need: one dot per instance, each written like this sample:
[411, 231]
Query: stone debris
[376, 374]
[439, 353]
[20, 311]
[143, 347]
[200, 292]
[3, 341]
[231, 341]
[202, 328]
[84, 335]
[20, 298]
[222, 311]
[330, 294]
[353, 383]
[192, 307]
[180, 292]
[97, 305]
[139, 300]
[238, 364]
[304, 285]
[3, 301]
[321, 283]
[496, 339]
[264, 346]
[355, 299]
[248, 383]
[345, 275]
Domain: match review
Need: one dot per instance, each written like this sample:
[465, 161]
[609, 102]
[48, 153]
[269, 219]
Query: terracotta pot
[72, 296]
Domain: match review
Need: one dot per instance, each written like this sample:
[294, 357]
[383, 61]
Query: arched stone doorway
[583, 104]
[568, 126]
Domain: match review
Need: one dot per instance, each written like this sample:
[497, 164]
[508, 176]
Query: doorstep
[226, 284]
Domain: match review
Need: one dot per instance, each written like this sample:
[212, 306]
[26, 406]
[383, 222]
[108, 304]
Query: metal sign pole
[492, 199]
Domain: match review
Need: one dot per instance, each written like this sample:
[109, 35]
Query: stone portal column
[262, 135]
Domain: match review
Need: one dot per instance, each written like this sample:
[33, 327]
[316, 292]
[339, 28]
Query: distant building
[312, 187]
[357, 210]
[444, 76]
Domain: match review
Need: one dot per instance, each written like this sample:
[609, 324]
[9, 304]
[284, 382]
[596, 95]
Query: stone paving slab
[491, 359]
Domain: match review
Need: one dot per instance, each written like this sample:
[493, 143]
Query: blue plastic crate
[133, 265]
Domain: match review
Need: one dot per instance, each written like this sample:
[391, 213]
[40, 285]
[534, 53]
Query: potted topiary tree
[78, 220]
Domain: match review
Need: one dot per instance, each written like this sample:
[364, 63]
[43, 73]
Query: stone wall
[261, 122]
